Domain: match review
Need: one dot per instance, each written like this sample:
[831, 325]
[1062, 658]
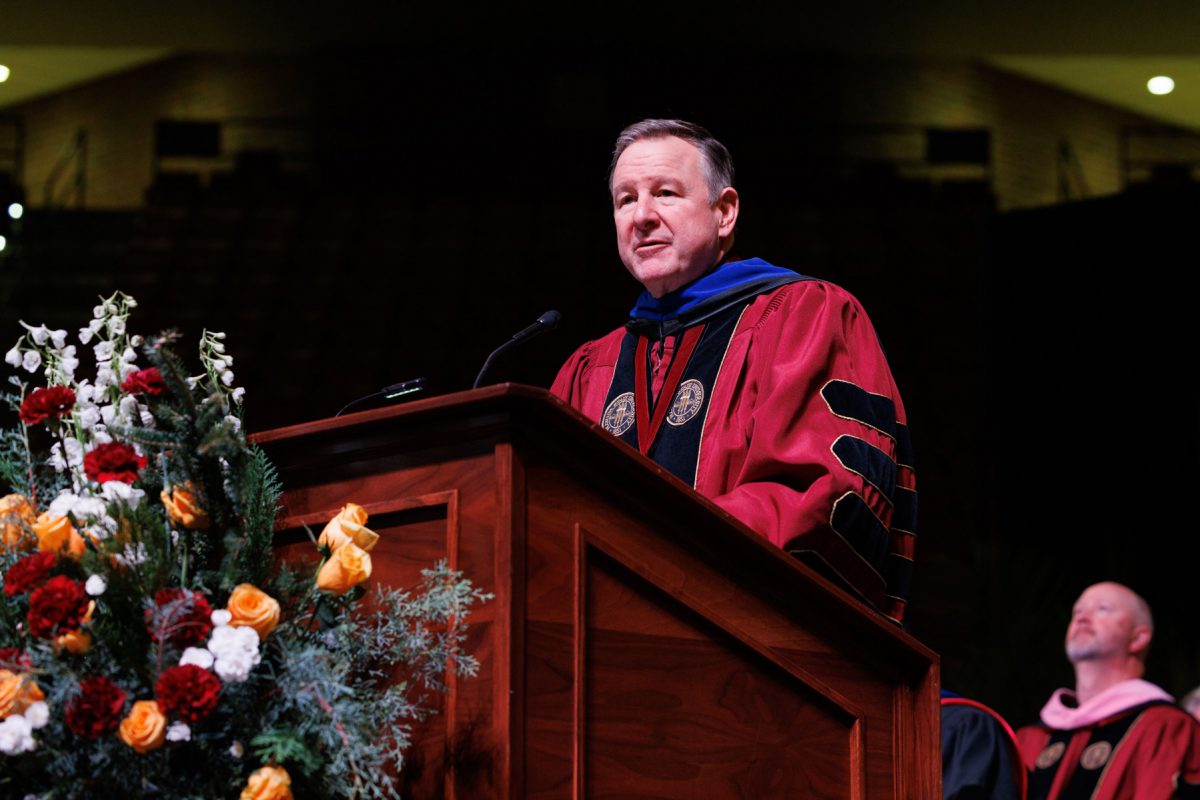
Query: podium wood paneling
[641, 644]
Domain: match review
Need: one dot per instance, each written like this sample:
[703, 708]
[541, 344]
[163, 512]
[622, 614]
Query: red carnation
[145, 381]
[188, 692]
[182, 617]
[14, 659]
[58, 605]
[113, 461]
[43, 404]
[97, 708]
[28, 572]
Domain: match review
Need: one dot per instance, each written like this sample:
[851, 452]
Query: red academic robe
[804, 419]
[1144, 753]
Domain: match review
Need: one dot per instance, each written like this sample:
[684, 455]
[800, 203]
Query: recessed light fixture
[1160, 84]
[4, 73]
[16, 210]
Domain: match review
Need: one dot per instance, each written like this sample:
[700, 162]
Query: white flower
[16, 735]
[234, 422]
[108, 414]
[129, 354]
[40, 335]
[221, 617]
[74, 450]
[89, 415]
[179, 732]
[129, 407]
[103, 351]
[69, 365]
[236, 749]
[226, 377]
[196, 655]
[127, 369]
[101, 435]
[59, 338]
[31, 361]
[85, 335]
[105, 377]
[136, 340]
[98, 312]
[119, 490]
[95, 585]
[56, 457]
[236, 652]
[38, 714]
[13, 357]
[131, 556]
[146, 417]
[116, 326]
[82, 507]
[237, 394]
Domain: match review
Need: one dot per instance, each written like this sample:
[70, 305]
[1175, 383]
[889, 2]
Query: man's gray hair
[715, 159]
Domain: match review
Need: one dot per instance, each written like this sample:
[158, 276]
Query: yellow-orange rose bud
[342, 531]
[16, 514]
[268, 783]
[353, 512]
[184, 508]
[145, 728]
[17, 693]
[251, 607]
[56, 534]
[347, 567]
[77, 641]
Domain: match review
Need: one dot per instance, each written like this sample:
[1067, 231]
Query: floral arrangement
[149, 645]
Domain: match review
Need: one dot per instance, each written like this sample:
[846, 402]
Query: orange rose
[184, 509]
[342, 531]
[56, 534]
[17, 693]
[16, 515]
[77, 641]
[347, 567]
[347, 526]
[268, 783]
[145, 728]
[253, 608]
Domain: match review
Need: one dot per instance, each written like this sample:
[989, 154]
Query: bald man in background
[1115, 736]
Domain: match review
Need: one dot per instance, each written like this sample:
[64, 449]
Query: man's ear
[727, 206]
[1140, 641]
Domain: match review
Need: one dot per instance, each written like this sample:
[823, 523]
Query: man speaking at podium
[765, 390]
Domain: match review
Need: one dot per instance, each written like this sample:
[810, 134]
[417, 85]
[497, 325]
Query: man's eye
[665, 193]
[624, 200]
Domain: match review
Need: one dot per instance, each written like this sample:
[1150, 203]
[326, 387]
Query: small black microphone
[546, 322]
[389, 392]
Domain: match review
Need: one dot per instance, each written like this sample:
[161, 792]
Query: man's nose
[644, 213]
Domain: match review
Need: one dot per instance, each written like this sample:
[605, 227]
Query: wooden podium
[641, 643]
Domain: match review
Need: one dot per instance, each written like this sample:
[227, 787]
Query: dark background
[455, 190]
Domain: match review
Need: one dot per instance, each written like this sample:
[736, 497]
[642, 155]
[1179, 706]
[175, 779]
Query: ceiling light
[1160, 84]
[4, 71]
[3, 242]
[16, 210]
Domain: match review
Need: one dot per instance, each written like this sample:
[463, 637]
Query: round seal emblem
[687, 402]
[1095, 755]
[1050, 756]
[618, 417]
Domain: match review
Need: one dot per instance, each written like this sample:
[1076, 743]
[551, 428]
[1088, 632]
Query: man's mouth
[650, 245]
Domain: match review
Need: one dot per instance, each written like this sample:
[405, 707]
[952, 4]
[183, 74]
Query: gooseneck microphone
[546, 322]
[389, 392]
